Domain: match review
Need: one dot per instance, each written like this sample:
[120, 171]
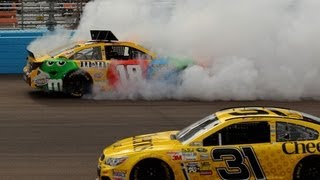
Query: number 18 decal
[129, 73]
[235, 160]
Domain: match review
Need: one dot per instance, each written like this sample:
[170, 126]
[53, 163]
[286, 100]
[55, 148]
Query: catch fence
[30, 14]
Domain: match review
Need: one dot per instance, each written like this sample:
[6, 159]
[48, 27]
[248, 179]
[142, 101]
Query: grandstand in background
[29, 14]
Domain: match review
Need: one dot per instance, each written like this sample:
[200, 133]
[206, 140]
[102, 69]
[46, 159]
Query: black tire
[77, 85]
[151, 169]
[308, 169]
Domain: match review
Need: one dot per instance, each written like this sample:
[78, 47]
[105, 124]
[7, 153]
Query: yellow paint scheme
[83, 45]
[274, 162]
[98, 74]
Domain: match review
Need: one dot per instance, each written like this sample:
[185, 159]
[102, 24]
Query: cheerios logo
[300, 148]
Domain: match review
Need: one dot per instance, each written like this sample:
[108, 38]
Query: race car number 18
[235, 161]
[129, 73]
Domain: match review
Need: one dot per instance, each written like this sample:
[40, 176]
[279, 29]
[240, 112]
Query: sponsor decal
[93, 64]
[193, 167]
[204, 156]
[195, 144]
[175, 156]
[53, 71]
[201, 150]
[41, 79]
[187, 150]
[205, 172]
[98, 75]
[205, 166]
[300, 148]
[189, 156]
[55, 85]
[119, 175]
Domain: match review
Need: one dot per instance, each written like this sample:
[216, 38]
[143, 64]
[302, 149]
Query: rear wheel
[151, 169]
[77, 85]
[308, 168]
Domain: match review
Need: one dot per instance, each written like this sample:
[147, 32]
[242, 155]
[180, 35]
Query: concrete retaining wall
[13, 49]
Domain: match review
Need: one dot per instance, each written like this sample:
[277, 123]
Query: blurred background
[29, 14]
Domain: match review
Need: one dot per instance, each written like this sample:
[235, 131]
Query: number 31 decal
[235, 161]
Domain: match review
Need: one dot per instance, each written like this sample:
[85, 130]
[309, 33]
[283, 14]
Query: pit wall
[13, 49]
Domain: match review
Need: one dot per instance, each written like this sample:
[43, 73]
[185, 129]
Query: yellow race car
[235, 143]
[74, 69]
[104, 63]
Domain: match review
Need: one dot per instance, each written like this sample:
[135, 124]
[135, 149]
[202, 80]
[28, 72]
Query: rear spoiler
[102, 35]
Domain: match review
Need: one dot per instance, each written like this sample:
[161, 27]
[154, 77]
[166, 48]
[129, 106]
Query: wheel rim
[309, 170]
[312, 172]
[152, 172]
[77, 86]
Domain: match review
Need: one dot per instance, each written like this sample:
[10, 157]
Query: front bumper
[27, 78]
[103, 177]
[27, 74]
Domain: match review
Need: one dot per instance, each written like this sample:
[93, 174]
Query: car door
[90, 60]
[240, 150]
[127, 65]
[296, 141]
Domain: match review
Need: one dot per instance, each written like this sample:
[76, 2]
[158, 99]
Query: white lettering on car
[55, 84]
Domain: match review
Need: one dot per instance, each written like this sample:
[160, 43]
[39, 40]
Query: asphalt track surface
[54, 137]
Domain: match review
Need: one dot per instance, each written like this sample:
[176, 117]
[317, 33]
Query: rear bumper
[30, 72]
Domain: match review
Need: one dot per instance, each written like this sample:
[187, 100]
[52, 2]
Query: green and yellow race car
[235, 143]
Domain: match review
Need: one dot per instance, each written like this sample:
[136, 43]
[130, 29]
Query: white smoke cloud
[50, 41]
[266, 49]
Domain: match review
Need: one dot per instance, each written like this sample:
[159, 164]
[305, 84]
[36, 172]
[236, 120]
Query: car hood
[33, 59]
[155, 141]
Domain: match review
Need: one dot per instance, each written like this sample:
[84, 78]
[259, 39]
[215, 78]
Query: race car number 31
[235, 161]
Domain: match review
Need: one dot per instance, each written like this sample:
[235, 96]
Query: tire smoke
[244, 50]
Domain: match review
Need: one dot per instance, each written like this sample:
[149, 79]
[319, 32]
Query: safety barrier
[13, 49]
[30, 14]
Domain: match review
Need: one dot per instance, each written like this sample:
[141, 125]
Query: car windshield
[195, 128]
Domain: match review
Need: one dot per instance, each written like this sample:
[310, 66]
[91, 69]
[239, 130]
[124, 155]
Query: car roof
[86, 43]
[117, 43]
[247, 112]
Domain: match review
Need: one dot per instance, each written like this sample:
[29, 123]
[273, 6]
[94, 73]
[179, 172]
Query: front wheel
[308, 168]
[77, 85]
[151, 170]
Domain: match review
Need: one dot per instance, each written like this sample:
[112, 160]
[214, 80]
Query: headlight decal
[116, 161]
